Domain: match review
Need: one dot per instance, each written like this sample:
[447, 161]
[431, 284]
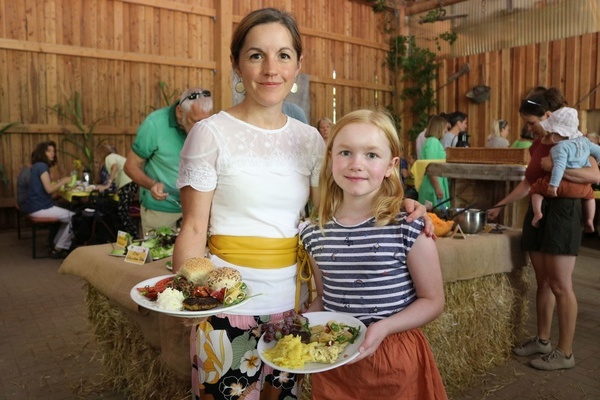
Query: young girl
[370, 262]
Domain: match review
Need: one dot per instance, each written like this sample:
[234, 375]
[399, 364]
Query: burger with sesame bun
[223, 278]
[196, 270]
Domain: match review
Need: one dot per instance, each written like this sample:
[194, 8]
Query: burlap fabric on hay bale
[482, 319]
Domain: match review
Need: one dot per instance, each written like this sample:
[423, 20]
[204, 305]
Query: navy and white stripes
[363, 267]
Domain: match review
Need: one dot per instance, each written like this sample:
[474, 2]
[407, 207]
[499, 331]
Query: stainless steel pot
[470, 220]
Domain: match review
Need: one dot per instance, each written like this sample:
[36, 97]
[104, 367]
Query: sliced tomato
[152, 292]
[163, 283]
[149, 292]
[218, 294]
[200, 291]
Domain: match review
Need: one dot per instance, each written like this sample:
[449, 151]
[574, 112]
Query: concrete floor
[47, 350]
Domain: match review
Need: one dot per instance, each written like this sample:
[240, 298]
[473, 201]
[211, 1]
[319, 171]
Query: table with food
[141, 313]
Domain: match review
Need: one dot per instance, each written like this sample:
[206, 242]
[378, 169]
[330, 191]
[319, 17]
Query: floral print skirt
[226, 365]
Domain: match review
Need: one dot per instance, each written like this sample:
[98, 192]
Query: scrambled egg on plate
[327, 342]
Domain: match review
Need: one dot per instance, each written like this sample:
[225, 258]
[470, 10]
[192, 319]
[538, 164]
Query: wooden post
[222, 35]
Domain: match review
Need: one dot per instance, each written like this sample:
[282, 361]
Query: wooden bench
[37, 223]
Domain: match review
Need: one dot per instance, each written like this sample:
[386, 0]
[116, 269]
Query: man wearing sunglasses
[153, 161]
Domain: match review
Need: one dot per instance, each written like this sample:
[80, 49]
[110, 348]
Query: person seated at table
[526, 139]
[39, 197]
[434, 189]
[498, 137]
[126, 188]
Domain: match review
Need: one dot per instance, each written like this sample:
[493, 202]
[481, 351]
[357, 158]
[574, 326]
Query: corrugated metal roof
[489, 25]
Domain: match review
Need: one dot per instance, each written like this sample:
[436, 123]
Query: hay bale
[482, 319]
[131, 365]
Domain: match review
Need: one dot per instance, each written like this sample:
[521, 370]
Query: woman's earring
[239, 87]
[294, 88]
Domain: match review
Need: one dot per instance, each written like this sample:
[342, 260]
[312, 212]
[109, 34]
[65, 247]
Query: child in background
[126, 189]
[572, 150]
[370, 262]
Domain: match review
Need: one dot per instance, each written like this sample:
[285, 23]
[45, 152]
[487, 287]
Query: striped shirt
[363, 267]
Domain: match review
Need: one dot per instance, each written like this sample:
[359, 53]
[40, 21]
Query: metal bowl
[470, 221]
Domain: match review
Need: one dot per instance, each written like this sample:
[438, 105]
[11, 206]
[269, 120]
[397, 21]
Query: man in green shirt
[153, 161]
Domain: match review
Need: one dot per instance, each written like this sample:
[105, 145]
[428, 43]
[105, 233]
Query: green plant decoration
[433, 15]
[169, 97]
[3, 177]
[83, 139]
[418, 68]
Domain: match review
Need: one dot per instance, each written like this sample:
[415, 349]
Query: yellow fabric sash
[265, 253]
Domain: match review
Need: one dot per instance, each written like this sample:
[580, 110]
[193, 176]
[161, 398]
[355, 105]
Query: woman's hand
[418, 210]
[492, 213]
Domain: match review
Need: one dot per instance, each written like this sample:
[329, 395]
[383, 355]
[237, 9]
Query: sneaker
[532, 346]
[553, 361]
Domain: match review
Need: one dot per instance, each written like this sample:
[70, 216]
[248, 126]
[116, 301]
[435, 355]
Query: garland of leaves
[418, 67]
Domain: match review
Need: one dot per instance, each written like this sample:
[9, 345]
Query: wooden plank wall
[116, 52]
[572, 65]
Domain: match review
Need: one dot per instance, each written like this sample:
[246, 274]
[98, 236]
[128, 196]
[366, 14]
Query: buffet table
[483, 270]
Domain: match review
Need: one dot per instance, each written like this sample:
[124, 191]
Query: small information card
[137, 255]
[122, 239]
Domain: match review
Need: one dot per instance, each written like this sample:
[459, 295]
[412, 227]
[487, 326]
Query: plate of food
[197, 290]
[311, 342]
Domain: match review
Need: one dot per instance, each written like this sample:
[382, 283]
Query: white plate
[320, 318]
[153, 305]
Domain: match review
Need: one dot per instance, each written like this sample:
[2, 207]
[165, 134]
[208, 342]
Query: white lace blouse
[261, 180]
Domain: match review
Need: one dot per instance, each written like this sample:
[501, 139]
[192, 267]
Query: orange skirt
[403, 367]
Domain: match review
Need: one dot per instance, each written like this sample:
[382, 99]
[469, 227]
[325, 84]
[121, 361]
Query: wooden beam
[56, 128]
[87, 52]
[173, 6]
